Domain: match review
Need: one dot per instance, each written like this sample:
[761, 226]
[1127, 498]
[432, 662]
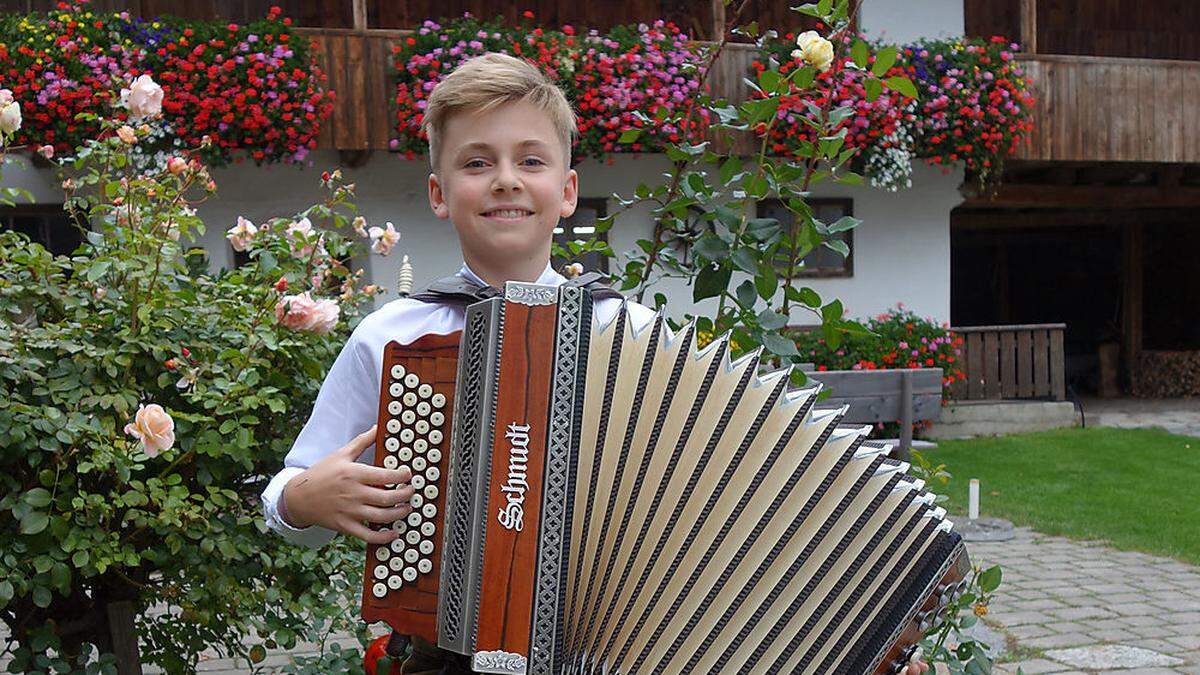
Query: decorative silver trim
[530, 294]
[498, 661]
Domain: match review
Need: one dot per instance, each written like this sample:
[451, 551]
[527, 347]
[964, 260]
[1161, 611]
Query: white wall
[902, 21]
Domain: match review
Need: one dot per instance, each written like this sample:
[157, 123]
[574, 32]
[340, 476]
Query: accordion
[604, 497]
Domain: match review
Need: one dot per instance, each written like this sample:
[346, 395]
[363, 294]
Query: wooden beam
[1087, 196]
[1029, 26]
[965, 220]
[1132, 276]
[718, 20]
[360, 15]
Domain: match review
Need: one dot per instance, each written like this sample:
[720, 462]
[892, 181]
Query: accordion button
[401, 527]
[429, 510]
[398, 371]
[395, 583]
[425, 547]
[397, 563]
[405, 454]
[379, 590]
[394, 408]
[428, 529]
[424, 566]
[410, 574]
[422, 427]
[418, 481]
[431, 491]
[437, 419]
[397, 545]
[407, 436]
[408, 417]
[382, 554]
[410, 399]
[433, 473]
[425, 391]
[438, 400]
[381, 571]
[411, 555]
[413, 537]
[435, 437]
[411, 380]
[420, 445]
[416, 501]
[396, 390]
[414, 519]
[390, 462]
[423, 409]
[434, 455]
[393, 426]
[391, 444]
[419, 463]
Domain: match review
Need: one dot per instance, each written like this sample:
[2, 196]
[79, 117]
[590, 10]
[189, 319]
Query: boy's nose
[506, 179]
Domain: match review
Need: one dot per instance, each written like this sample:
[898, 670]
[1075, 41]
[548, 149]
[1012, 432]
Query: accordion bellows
[619, 500]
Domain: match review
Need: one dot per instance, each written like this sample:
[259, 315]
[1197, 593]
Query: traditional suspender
[459, 290]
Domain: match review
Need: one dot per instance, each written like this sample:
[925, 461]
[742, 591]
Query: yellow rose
[814, 50]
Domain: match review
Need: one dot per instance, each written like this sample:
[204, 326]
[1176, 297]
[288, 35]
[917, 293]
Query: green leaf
[34, 522]
[883, 60]
[712, 281]
[769, 319]
[902, 85]
[769, 80]
[629, 135]
[837, 245]
[745, 260]
[777, 344]
[711, 247]
[746, 295]
[6, 592]
[41, 596]
[729, 169]
[989, 579]
[37, 497]
[874, 88]
[766, 281]
[859, 53]
[832, 312]
[844, 223]
[97, 269]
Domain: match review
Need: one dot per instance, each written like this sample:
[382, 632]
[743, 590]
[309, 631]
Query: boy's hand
[339, 493]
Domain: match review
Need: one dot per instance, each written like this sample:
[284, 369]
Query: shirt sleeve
[346, 406]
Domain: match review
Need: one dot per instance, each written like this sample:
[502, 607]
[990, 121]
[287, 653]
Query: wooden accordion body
[613, 499]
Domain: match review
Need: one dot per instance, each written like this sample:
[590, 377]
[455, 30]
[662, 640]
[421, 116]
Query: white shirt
[348, 403]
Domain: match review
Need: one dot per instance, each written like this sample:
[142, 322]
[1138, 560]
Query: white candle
[973, 501]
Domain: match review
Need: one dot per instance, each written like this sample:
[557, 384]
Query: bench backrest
[877, 395]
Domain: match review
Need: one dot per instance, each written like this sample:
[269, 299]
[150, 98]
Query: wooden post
[1131, 309]
[121, 619]
[718, 20]
[1029, 43]
[906, 416]
[360, 15]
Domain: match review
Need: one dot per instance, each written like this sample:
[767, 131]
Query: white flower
[814, 49]
[360, 226]
[239, 235]
[143, 98]
[10, 117]
[384, 239]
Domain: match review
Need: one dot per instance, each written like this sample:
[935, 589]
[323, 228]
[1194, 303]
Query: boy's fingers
[386, 498]
[356, 529]
[377, 475]
[359, 443]
[388, 516]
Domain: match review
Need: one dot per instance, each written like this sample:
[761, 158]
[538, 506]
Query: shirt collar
[548, 278]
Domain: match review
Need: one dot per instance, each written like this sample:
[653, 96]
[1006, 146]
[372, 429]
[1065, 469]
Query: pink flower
[302, 313]
[239, 235]
[46, 151]
[301, 232]
[153, 427]
[176, 165]
[384, 239]
[360, 226]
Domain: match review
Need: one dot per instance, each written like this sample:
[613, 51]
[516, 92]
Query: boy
[500, 137]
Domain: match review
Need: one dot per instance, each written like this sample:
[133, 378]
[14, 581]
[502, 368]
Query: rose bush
[146, 403]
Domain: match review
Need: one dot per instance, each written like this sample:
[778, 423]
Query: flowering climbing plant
[616, 81]
[251, 90]
[146, 402]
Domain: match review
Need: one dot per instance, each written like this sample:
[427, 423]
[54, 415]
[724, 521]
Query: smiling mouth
[508, 214]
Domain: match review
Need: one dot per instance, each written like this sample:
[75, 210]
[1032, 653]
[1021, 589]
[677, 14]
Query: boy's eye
[534, 159]
[471, 164]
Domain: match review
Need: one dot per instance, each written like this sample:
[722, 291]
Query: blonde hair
[487, 81]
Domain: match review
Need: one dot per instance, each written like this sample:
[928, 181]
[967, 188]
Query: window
[47, 224]
[822, 261]
[581, 227]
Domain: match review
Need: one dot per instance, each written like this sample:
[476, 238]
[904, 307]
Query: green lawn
[1136, 488]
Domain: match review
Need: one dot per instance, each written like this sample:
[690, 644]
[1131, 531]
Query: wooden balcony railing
[1012, 362]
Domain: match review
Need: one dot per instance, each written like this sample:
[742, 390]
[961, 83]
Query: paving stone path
[1080, 607]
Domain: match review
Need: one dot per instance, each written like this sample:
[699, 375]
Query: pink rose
[127, 134]
[143, 98]
[301, 233]
[384, 239]
[176, 165]
[302, 313]
[239, 235]
[153, 427]
[46, 151]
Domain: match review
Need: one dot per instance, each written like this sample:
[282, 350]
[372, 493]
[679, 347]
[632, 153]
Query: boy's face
[506, 158]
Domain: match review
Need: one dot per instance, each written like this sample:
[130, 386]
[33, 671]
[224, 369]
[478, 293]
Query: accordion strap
[459, 290]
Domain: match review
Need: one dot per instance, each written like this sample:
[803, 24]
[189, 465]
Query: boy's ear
[570, 194]
[437, 198]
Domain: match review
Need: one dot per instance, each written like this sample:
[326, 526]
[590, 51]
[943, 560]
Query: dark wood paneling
[1016, 361]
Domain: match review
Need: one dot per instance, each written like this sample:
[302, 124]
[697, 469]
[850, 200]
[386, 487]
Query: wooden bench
[901, 395]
